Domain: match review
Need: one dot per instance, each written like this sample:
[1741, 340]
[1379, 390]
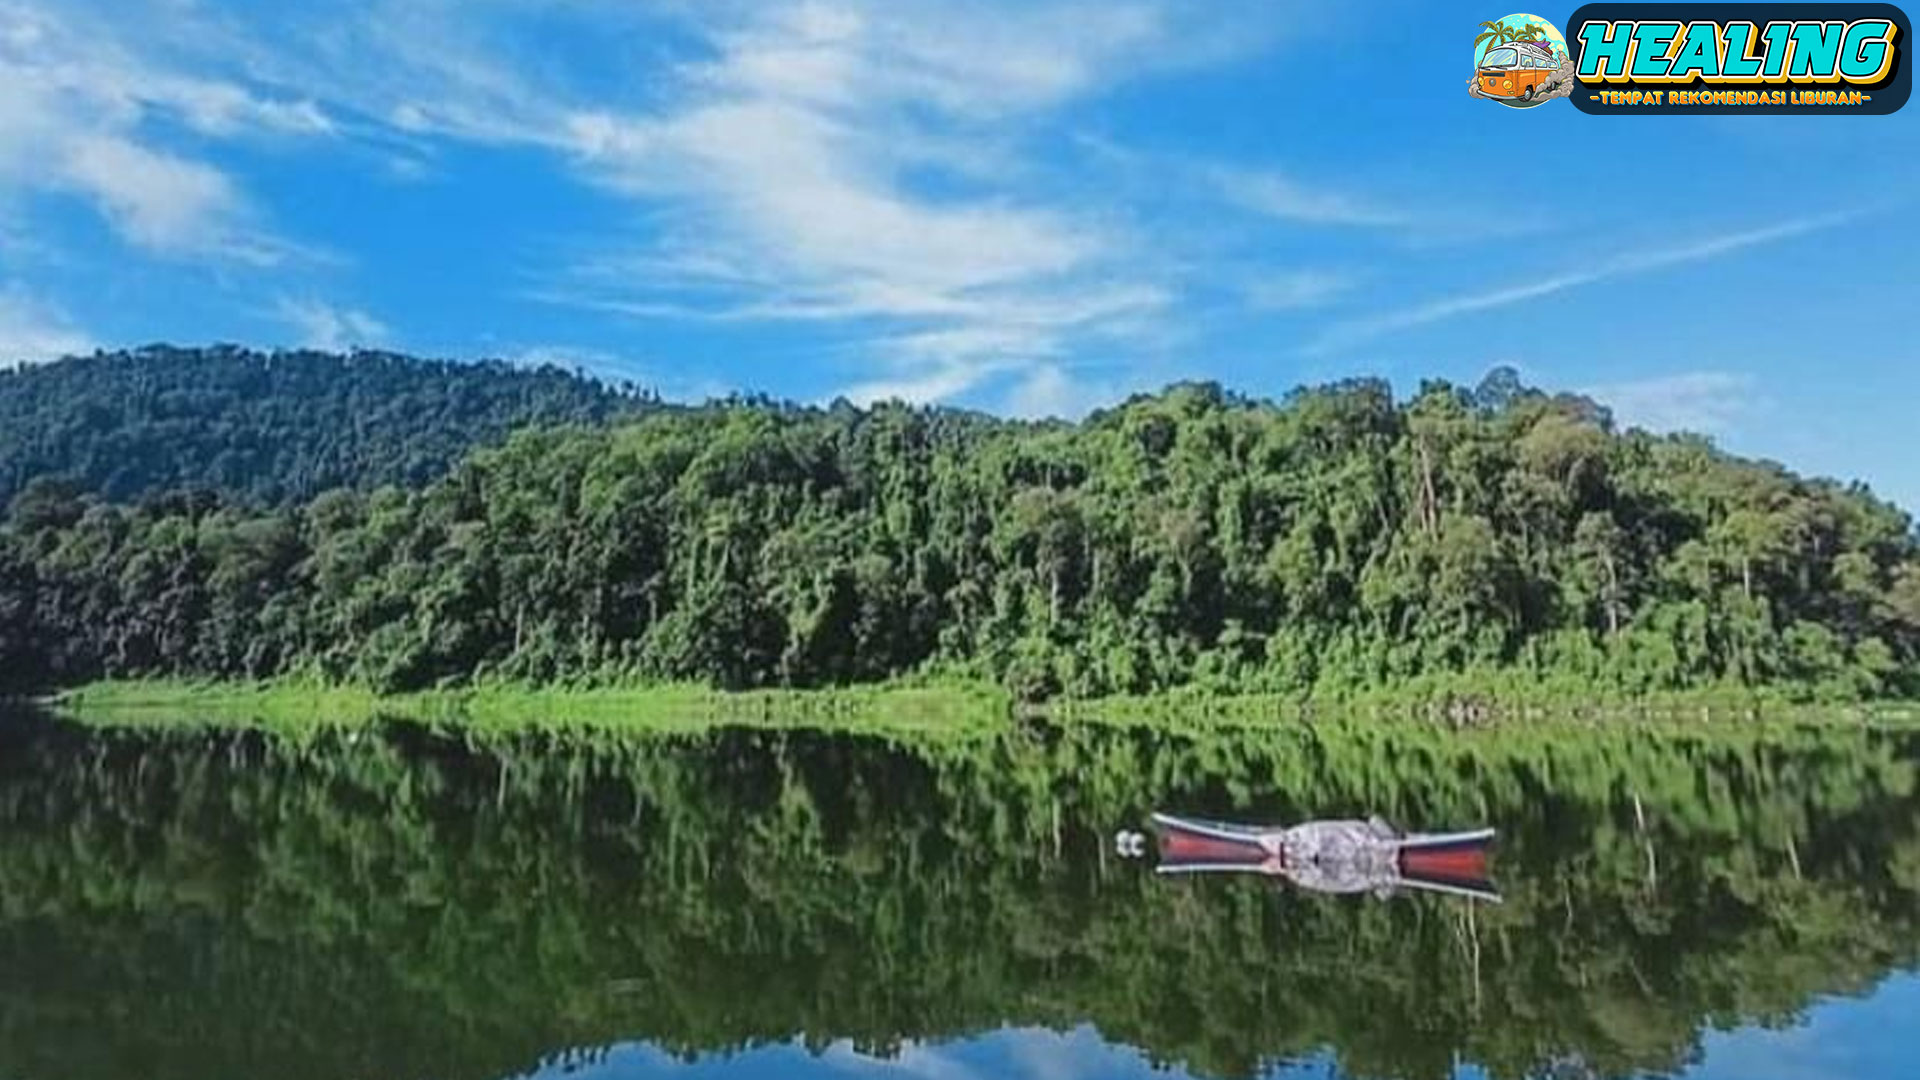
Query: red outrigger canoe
[1453, 863]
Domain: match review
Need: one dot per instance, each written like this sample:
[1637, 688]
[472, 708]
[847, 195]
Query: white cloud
[1061, 392]
[606, 364]
[881, 167]
[946, 361]
[157, 200]
[1008, 58]
[33, 331]
[97, 61]
[1293, 290]
[74, 108]
[1276, 195]
[385, 72]
[913, 1059]
[789, 168]
[936, 382]
[1046, 392]
[1704, 402]
[1625, 264]
[803, 194]
[1027, 1053]
[328, 328]
[1072, 1055]
[884, 168]
[224, 109]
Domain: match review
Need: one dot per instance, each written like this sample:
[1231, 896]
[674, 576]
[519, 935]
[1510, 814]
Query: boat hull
[1195, 846]
[1453, 862]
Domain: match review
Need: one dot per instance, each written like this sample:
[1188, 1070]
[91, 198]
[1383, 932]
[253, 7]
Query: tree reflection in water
[418, 904]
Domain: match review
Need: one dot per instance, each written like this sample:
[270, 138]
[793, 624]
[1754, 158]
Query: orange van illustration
[1518, 69]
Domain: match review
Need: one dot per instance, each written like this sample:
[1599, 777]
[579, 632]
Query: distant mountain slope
[271, 427]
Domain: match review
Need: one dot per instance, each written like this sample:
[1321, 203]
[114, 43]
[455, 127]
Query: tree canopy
[1333, 541]
[270, 427]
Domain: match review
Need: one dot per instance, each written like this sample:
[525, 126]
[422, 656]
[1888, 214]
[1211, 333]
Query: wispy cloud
[85, 54]
[1345, 334]
[1293, 290]
[159, 201]
[606, 364]
[33, 331]
[1072, 1055]
[791, 167]
[1048, 391]
[1704, 402]
[1026, 1053]
[329, 328]
[912, 1059]
[1275, 194]
[883, 169]
[1062, 391]
[73, 107]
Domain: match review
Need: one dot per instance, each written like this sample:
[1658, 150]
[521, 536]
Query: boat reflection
[1325, 856]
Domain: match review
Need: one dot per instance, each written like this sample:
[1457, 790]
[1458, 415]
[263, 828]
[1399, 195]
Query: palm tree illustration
[1499, 33]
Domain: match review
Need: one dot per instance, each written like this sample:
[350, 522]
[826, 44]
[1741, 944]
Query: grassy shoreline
[956, 707]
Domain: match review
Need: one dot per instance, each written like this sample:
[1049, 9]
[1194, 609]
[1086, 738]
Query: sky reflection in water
[1870, 1038]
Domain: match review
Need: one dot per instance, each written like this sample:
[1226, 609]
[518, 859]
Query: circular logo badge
[1521, 61]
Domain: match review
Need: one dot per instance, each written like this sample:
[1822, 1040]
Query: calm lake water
[405, 904]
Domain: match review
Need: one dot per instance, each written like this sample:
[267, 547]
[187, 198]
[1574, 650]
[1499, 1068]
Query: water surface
[419, 905]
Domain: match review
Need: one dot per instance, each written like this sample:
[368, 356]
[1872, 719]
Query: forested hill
[269, 426]
[1336, 541]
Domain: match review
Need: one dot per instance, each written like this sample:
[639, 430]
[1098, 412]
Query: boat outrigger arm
[1331, 856]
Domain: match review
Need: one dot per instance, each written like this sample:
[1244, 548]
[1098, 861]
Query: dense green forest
[1334, 541]
[412, 903]
[271, 427]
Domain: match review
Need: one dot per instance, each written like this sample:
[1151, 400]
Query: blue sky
[1033, 208]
